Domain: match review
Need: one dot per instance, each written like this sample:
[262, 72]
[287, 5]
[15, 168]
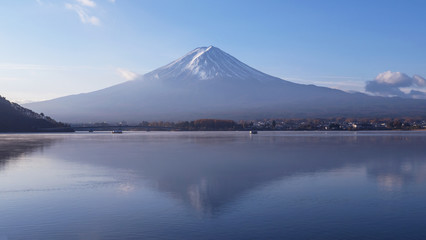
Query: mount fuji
[209, 83]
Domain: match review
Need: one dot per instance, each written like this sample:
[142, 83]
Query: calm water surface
[213, 185]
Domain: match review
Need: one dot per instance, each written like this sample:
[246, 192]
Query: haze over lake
[213, 185]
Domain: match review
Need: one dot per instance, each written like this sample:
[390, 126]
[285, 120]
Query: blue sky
[61, 47]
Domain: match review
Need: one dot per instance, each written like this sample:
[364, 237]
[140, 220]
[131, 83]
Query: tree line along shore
[313, 124]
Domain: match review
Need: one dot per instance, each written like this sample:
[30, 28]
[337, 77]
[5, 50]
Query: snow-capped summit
[205, 63]
[209, 83]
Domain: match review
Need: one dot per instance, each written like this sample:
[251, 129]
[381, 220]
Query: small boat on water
[117, 131]
[253, 132]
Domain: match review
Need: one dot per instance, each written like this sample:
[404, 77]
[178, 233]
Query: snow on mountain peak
[205, 63]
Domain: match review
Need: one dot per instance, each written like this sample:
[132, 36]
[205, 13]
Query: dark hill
[14, 118]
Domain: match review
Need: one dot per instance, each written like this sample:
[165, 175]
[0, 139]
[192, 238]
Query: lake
[213, 185]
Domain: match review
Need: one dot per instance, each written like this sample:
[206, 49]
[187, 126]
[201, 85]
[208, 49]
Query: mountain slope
[209, 83]
[14, 118]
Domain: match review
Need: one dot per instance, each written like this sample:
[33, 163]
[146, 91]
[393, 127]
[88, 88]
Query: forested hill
[14, 118]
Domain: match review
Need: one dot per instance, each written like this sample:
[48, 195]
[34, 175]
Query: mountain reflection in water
[208, 170]
[138, 183]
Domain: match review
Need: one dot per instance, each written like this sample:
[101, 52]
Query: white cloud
[396, 79]
[126, 74]
[83, 14]
[87, 3]
[393, 83]
[113, 1]
[419, 81]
